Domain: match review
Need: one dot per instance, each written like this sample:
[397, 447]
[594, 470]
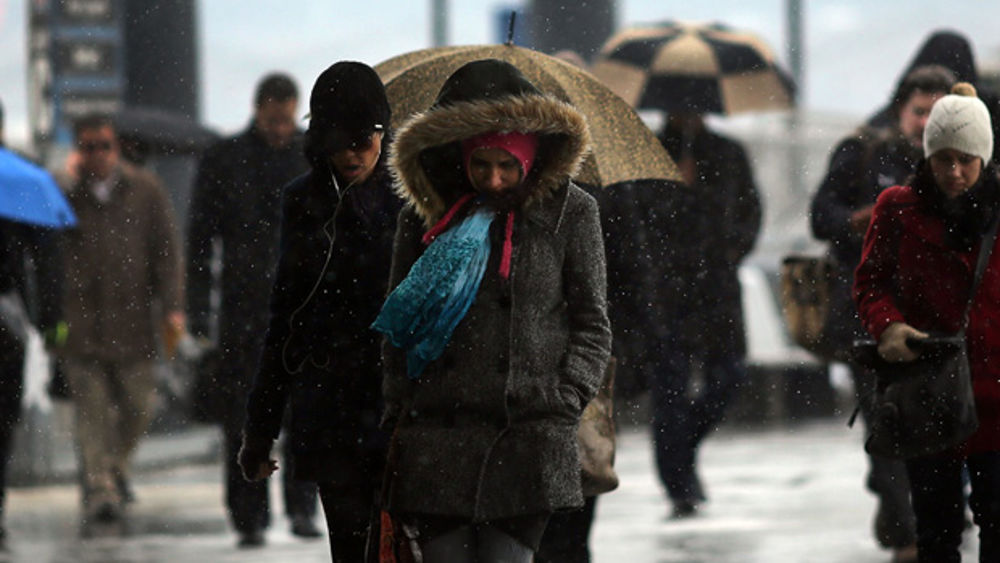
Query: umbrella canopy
[624, 147]
[29, 195]
[158, 131]
[694, 69]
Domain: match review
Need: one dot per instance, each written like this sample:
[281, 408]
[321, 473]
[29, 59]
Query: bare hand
[174, 327]
[265, 469]
[892, 344]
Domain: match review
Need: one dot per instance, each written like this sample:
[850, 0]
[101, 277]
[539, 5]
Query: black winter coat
[31, 265]
[319, 350]
[862, 166]
[649, 249]
[236, 201]
[725, 219]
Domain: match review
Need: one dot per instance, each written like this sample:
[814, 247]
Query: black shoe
[303, 527]
[251, 539]
[107, 513]
[684, 509]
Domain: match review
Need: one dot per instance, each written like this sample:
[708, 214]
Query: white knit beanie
[960, 121]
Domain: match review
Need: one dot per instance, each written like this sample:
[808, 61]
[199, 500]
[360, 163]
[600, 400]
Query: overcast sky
[855, 49]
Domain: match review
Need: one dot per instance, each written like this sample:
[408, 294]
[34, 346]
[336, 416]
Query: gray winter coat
[488, 431]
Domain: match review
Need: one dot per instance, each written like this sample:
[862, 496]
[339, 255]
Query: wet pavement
[790, 494]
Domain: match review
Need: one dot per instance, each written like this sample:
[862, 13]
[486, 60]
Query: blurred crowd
[418, 308]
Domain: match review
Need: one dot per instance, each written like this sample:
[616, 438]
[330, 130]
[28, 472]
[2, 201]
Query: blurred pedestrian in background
[486, 382]
[338, 222]
[123, 290]
[235, 219]
[916, 268]
[700, 366]
[868, 161]
[30, 283]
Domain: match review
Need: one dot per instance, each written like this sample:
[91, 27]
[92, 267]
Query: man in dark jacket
[707, 334]
[236, 204]
[872, 159]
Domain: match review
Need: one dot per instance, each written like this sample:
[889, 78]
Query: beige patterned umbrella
[624, 148]
[693, 68]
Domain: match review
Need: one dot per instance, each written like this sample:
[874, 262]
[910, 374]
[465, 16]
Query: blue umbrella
[29, 195]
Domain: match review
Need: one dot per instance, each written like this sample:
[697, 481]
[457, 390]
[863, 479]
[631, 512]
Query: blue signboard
[77, 63]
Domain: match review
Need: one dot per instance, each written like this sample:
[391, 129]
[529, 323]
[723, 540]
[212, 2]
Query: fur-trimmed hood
[426, 155]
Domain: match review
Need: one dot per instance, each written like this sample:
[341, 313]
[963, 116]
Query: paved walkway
[779, 495]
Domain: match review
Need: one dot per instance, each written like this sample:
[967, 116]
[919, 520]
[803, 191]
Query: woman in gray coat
[493, 352]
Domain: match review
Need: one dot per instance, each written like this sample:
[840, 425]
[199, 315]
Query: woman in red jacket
[914, 278]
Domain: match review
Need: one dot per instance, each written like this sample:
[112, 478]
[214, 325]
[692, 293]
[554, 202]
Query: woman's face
[955, 171]
[494, 170]
[356, 162]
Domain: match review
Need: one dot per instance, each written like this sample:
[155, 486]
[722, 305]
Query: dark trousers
[683, 416]
[936, 484]
[248, 501]
[567, 536]
[347, 507]
[11, 389]
[895, 524]
[474, 543]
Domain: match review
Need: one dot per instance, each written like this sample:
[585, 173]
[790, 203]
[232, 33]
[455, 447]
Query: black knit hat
[349, 96]
[347, 103]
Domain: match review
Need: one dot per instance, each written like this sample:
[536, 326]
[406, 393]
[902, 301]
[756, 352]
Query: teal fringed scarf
[420, 315]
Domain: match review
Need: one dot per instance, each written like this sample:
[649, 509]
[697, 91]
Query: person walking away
[707, 332]
[123, 284]
[485, 384]
[319, 354]
[864, 164]
[235, 219]
[916, 268]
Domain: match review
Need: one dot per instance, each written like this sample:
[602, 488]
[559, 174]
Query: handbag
[928, 405]
[596, 439]
[397, 541]
[389, 540]
[920, 407]
[806, 285]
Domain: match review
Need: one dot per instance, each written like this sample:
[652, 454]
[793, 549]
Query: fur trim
[562, 130]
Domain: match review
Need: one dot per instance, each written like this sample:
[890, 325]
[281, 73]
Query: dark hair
[1, 114]
[93, 120]
[277, 87]
[930, 79]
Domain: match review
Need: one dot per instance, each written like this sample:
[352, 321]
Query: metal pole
[795, 41]
[439, 22]
[796, 153]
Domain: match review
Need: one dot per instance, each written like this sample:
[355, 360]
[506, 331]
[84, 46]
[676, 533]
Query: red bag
[397, 541]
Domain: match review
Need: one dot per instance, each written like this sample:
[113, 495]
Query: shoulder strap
[985, 249]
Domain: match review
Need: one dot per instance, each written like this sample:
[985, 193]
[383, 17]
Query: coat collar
[82, 191]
